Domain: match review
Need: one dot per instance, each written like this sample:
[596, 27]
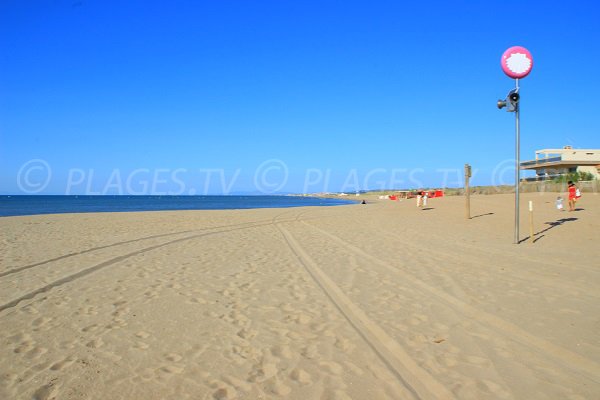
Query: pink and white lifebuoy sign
[517, 62]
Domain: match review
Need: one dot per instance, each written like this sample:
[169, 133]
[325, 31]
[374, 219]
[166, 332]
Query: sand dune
[376, 301]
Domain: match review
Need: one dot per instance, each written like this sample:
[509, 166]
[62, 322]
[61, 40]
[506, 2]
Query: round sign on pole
[517, 62]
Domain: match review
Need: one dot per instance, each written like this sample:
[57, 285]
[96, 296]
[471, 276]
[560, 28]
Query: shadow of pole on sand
[482, 215]
[553, 224]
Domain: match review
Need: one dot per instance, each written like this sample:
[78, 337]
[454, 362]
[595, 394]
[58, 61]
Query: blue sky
[193, 97]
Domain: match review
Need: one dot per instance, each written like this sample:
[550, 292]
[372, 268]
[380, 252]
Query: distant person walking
[419, 198]
[574, 195]
[425, 197]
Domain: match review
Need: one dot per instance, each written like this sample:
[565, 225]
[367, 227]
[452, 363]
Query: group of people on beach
[574, 194]
[422, 198]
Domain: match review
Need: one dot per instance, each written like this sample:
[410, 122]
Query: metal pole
[517, 167]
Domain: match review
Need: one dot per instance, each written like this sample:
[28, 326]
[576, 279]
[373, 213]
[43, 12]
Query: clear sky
[211, 97]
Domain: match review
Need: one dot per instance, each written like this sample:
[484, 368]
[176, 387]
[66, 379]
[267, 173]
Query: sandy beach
[376, 301]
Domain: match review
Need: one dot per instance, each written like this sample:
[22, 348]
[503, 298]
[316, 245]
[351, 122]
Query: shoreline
[74, 204]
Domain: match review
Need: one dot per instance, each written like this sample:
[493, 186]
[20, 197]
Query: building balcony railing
[540, 162]
[540, 178]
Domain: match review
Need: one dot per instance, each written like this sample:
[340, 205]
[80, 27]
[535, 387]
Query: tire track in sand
[575, 361]
[106, 246]
[77, 253]
[416, 379]
[114, 260]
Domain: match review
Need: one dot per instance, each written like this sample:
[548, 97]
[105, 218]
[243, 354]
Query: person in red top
[572, 195]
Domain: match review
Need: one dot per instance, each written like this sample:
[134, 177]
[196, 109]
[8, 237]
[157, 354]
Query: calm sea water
[31, 205]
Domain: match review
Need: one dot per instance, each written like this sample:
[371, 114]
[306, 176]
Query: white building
[552, 163]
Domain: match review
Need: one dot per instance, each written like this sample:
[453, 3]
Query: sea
[43, 204]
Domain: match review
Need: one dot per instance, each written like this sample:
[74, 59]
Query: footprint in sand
[417, 319]
[335, 395]
[332, 367]
[225, 393]
[174, 286]
[29, 309]
[300, 318]
[171, 369]
[146, 374]
[196, 300]
[344, 344]
[266, 371]
[46, 392]
[24, 342]
[68, 345]
[41, 322]
[20, 337]
[239, 318]
[141, 345]
[277, 387]
[299, 296]
[121, 311]
[89, 310]
[173, 357]
[62, 301]
[311, 351]
[151, 294]
[354, 368]
[142, 335]
[301, 376]
[303, 319]
[7, 379]
[329, 333]
[247, 334]
[36, 352]
[95, 344]
[282, 351]
[286, 307]
[25, 346]
[62, 364]
[238, 384]
[116, 324]
[246, 352]
[318, 327]
[246, 286]
[90, 328]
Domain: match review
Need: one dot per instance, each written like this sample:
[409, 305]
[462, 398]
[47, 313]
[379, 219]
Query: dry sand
[376, 301]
